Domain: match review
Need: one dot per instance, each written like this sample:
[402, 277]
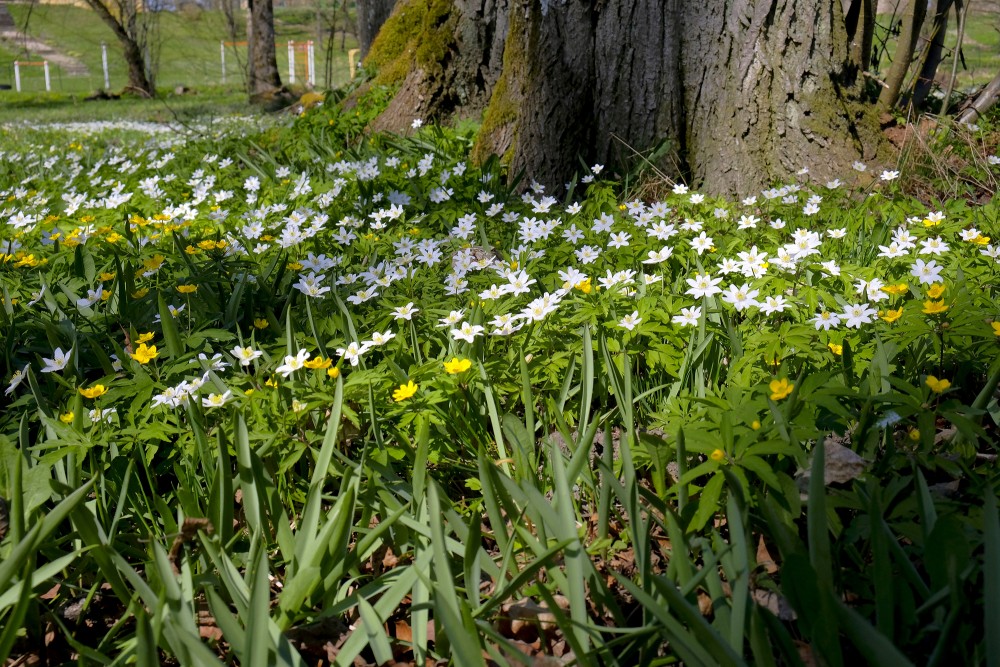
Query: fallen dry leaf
[764, 557]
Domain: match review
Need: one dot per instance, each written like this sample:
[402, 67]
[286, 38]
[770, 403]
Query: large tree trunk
[769, 90]
[444, 54]
[371, 15]
[734, 93]
[122, 21]
[264, 80]
[582, 83]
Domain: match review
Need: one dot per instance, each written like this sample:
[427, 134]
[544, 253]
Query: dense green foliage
[275, 396]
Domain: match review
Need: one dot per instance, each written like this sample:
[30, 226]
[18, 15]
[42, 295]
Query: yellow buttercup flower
[93, 392]
[891, 316]
[996, 328]
[584, 286]
[836, 349]
[187, 289]
[936, 385]
[755, 424]
[914, 435]
[139, 293]
[717, 455]
[456, 366]
[333, 372]
[896, 290]
[934, 307]
[145, 353]
[318, 363]
[153, 262]
[66, 418]
[106, 276]
[780, 389]
[935, 291]
[404, 391]
[260, 323]
[144, 338]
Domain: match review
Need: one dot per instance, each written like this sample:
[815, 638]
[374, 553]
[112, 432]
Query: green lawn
[41, 107]
[981, 49]
[189, 52]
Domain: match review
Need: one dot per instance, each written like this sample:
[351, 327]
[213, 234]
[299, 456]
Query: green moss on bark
[501, 114]
[418, 34]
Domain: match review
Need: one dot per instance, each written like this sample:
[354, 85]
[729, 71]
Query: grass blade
[452, 613]
[256, 650]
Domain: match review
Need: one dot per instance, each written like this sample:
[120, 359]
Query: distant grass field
[56, 107]
[981, 49]
[189, 52]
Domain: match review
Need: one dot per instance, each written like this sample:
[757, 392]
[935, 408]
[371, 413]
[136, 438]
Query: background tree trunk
[121, 18]
[916, 10]
[932, 55]
[264, 80]
[371, 15]
[859, 21]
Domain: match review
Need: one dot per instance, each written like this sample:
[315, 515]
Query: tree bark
[769, 90]
[986, 99]
[586, 83]
[264, 79]
[734, 94]
[902, 58]
[932, 55]
[859, 21]
[371, 15]
[445, 55]
[122, 21]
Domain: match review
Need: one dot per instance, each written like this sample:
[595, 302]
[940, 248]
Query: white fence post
[291, 61]
[312, 63]
[350, 61]
[48, 81]
[17, 76]
[104, 64]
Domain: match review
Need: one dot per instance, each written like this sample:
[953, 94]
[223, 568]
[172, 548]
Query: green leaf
[172, 339]
[257, 650]
[452, 612]
[991, 577]
[871, 643]
[708, 503]
[377, 640]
